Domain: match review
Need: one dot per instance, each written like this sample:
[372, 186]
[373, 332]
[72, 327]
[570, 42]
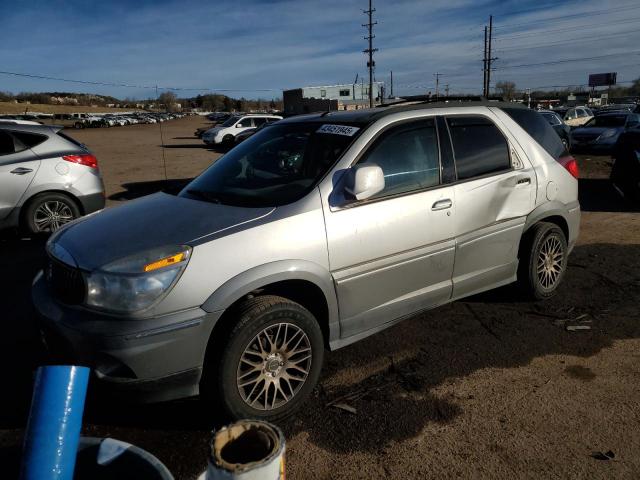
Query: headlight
[135, 283]
[607, 134]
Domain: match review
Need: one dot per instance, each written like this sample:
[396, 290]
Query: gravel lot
[492, 386]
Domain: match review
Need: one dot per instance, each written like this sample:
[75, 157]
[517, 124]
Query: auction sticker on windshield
[338, 130]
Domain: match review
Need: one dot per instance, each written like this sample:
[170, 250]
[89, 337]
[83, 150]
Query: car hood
[149, 222]
[213, 131]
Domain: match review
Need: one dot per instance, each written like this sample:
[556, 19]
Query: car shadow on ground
[187, 145]
[599, 195]
[141, 189]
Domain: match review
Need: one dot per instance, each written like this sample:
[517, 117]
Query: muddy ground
[489, 387]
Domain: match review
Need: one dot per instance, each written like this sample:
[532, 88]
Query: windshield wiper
[204, 195]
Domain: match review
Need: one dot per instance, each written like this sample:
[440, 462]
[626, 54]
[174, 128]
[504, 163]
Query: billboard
[602, 79]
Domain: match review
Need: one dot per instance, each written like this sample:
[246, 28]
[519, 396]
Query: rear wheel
[543, 260]
[47, 212]
[267, 363]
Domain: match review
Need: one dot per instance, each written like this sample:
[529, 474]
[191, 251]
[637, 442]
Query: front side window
[276, 166]
[409, 157]
[571, 115]
[245, 123]
[479, 148]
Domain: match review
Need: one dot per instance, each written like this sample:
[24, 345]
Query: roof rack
[417, 99]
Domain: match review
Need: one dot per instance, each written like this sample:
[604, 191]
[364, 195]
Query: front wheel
[269, 361]
[543, 260]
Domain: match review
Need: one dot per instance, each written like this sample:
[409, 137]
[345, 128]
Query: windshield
[230, 121]
[607, 121]
[276, 166]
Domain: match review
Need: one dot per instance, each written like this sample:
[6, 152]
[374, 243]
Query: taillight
[85, 159]
[570, 164]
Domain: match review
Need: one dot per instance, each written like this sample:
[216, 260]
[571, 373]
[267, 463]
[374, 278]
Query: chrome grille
[66, 282]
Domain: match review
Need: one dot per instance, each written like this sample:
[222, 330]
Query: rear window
[30, 140]
[479, 148]
[536, 126]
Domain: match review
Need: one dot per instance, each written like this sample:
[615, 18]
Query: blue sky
[251, 45]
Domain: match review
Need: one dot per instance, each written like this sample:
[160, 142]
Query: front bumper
[142, 360]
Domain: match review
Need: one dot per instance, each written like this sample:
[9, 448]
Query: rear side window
[6, 144]
[72, 140]
[30, 140]
[478, 146]
[539, 129]
[409, 157]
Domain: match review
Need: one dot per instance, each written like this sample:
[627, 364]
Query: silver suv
[314, 233]
[46, 178]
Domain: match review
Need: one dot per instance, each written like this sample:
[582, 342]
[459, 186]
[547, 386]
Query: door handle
[524, 181]
[442, 204]
[21, 171]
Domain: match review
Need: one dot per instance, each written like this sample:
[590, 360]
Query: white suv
[317, 232]
[225, 134]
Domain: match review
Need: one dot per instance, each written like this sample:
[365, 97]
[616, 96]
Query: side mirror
[364, 181]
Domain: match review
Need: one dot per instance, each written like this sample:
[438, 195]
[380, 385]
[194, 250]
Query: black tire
[539, 277]
[78, 125]
[228, 141]
[223, 368]
[33, 213]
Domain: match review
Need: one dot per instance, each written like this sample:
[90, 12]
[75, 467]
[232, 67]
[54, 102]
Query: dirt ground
[489, 387]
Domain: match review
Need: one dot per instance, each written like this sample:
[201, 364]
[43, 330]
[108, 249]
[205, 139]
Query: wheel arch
[303, 282]
[25, 202]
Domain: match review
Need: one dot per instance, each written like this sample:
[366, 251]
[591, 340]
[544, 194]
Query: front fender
[263, 275]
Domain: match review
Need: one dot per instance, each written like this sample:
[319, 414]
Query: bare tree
[168, 99]
[507, 90]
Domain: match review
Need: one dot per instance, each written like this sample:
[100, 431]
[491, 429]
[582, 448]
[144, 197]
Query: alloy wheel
[51, 215]
[550, 262]
[274, 366]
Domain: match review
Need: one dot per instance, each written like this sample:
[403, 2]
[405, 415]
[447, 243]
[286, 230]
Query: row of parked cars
[122, 119]
[586, 130]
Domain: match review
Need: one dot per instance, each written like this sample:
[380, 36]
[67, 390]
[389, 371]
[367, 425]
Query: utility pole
[371, 64]
[484, 65]
[489, 59]
[528, 97]
[446, 90]
[437, 75]
[391, 94]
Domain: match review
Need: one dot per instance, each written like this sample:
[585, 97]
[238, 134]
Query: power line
[556, 62]
[540, 32]
[127, 85]
[580, 39]
[571, 16]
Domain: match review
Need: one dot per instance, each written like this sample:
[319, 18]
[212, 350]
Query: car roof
[43, 129]
[369, 115]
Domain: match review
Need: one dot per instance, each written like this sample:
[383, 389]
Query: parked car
[225, 134]
[314, 233]
[561, 128]
[241, 137]
[46, 178]
[601, 133]
[619, 107]
[625, 173]
[577, 116]
[220, 119]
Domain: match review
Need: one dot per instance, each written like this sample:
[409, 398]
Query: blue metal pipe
[55, 419]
